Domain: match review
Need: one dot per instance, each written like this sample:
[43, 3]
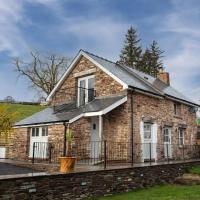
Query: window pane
[82, 93]
[37, 132]
[147, 131]
[33, 132]
[45, 131]
[90, 89]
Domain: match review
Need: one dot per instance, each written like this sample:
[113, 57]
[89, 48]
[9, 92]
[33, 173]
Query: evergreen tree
[131, 52]
[151, 61]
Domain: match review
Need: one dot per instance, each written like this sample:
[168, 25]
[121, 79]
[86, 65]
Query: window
[35, 132]
[181, 137]
[45, 131]
[39, 131]
[177, 109]
[147, 131]
[85, 90]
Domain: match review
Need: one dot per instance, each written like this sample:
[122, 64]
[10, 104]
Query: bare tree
[43, 71]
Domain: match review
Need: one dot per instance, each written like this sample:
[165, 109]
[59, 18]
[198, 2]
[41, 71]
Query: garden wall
[90, 184]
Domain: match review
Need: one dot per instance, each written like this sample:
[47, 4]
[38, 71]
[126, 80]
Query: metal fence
[106, 153]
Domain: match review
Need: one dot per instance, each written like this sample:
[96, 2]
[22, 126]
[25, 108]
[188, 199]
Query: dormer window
[85, 90]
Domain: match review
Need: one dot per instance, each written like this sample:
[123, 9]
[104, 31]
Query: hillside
[23, 111]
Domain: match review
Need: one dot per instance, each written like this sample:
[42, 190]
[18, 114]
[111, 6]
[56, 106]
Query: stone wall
[20, 147]
[104, 84]
[91, 184]
[161, 112]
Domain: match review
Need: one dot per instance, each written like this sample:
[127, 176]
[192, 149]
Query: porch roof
[70, 113]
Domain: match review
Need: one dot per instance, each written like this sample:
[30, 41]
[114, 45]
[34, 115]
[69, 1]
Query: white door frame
[169, 142]
[38, 137]
[153, 139]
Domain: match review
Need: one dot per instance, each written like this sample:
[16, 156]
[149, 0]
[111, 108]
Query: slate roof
[139, 80]
[66, 112]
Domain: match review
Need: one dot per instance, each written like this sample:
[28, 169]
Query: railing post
[33, 156]
[167, 153]
[50, 149]
[183, 153]
[150, 153]
[105, 154]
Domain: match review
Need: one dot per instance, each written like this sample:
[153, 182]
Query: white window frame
[86, 78]
[183, 137]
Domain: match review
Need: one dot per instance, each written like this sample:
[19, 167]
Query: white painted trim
[99, 113]
[76, 118]
[100, 126]
[84, 73]
[86, 78]
[82, 53]
[154, 130]
[125, 86]
[108, 109]
[36, 125]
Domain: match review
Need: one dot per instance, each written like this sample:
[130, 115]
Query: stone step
[188, 179]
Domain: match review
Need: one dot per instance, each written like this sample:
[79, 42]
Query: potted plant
[67, 161]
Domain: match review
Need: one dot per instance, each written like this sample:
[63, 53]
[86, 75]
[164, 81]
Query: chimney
[163, 76]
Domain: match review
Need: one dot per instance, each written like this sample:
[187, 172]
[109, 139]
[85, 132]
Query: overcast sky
[99, 26]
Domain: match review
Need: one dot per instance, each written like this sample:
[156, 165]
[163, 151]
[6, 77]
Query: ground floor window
[181, 137]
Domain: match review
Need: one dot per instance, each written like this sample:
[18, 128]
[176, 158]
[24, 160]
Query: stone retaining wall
[90, 184]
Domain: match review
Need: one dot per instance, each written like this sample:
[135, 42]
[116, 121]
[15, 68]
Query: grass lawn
[195, 170]
[165, 192]
[23, 111]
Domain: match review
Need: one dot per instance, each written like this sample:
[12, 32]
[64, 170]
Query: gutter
[162, 96]
[152, 94]
[182, 101]
[40, 124]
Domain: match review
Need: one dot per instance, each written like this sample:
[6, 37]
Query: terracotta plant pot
[67, 164]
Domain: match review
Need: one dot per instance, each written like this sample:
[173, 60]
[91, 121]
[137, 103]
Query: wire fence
[106, 153]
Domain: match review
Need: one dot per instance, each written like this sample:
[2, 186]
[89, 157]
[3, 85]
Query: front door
[148, 146]
[95, 143]
[39, 142]
[167, 142]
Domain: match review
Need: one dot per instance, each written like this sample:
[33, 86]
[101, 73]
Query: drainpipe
[132, 131]
[65, 139]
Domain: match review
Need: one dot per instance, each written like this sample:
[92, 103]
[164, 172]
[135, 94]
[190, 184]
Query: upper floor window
[86, 90]
[177, 109]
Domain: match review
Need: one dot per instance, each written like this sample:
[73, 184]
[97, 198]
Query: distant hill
[23, 110]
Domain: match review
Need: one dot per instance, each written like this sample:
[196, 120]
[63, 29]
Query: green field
[23, 111]
[165, 192]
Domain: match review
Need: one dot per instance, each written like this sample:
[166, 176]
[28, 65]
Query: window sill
[178, 117]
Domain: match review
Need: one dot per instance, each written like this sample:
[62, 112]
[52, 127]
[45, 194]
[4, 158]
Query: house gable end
[66, 90]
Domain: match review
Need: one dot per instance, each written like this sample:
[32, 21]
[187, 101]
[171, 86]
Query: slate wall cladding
[104, 84]
[86, 185]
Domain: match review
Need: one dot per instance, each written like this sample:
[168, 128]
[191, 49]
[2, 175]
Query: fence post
[167, 153]
[105, 154]
[150, 153]
[33, 156]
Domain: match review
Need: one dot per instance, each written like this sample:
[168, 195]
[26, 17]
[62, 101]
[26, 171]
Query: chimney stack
[164, 76]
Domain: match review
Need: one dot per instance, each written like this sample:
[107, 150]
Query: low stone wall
[90, 184]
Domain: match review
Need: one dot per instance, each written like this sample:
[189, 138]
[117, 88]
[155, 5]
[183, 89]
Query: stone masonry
[116, 123]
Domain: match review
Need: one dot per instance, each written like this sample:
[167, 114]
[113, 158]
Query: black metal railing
[107, 153]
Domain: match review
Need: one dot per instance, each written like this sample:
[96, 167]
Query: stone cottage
[136, 114]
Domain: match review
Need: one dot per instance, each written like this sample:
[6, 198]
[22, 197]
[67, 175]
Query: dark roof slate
[66, 112]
